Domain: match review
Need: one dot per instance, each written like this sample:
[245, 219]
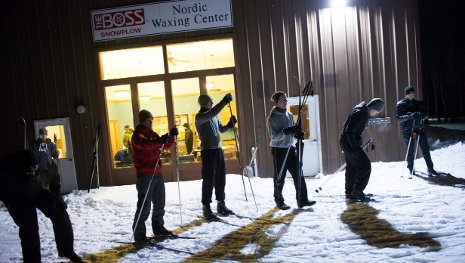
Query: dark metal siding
[351, 55]
[50, 65]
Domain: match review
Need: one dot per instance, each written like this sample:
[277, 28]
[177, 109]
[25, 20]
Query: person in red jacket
[146, 147]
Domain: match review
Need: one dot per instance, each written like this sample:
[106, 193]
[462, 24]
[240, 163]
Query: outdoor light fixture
[338, 3]
[122, 93]
[81, 109]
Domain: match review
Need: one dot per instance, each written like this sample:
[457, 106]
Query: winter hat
[275, 97]
[144, 115]
[409, 90]
[43, 131]
[377, 104]
[204, 99]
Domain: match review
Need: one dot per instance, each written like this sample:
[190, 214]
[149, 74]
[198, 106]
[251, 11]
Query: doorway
[59, 132]
[311, 127]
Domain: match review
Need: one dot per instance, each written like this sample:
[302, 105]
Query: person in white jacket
[282, 129]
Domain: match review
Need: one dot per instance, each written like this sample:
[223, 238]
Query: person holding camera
[146, 147]
[22, 193]
[213, 167]
[411, 114]
[282, 129]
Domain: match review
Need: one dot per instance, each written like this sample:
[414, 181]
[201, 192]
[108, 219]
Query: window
[201, 55]
[217, 87]
[120, 122]
[134, 62]
[200, 63]
[185, 95]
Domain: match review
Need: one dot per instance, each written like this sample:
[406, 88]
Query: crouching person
[22, 193]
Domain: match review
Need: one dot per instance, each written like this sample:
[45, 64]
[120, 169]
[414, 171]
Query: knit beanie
[377, 104]
[144, 115]
[204, 99]
[43, 131]
[409, 90]
[275, 97]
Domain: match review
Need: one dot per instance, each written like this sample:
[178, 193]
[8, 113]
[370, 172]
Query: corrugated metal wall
[351, 54]
[49, 66]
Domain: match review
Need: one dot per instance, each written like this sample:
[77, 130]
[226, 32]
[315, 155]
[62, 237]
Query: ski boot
[208, 214]
[432, 172]
[282, 206]
[223, 210]
[72, 256]
[162, 232]
[306, 203]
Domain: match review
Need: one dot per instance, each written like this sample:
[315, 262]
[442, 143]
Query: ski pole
[237, 151]
[24, 123]
[341, 168]
[177, 176]
[415, 157]
[147, 192]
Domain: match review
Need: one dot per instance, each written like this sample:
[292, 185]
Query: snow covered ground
[103, 219]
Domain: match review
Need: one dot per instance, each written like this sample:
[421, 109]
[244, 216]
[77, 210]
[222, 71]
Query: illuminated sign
[160, 18]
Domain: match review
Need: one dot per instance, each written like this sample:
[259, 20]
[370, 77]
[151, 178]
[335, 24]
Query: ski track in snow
[104, 217]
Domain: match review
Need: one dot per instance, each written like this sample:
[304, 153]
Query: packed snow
[102, 219]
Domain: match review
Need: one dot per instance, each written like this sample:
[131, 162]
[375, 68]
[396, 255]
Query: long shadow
[229, 247]
[363, 221]
[115, 254]
[443, 179]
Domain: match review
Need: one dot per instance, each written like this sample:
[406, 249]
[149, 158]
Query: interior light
[338, 3]
[122, 93]
[144, 97]
[210, 85]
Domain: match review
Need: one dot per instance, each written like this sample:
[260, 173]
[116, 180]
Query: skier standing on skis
[282, 129]
[22, 193]
[358, 167]
[146, 145]
[411, 114]
[213, 168]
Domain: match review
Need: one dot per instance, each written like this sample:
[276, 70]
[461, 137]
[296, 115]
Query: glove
[164, 138]
[299, 135]
[174, 132]
[291, 129]
[227, 98]
[414, 115]
[232, 121]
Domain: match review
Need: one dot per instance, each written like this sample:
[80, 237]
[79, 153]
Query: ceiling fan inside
[173, 60]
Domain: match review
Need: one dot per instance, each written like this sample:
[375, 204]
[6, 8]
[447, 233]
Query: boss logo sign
[118, 19]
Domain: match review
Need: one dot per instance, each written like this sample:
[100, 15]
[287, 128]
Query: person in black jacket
[411, 114]
[358, 167]
[22, 194]
[48, 169]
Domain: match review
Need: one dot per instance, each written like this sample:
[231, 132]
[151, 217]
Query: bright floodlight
[338, 3]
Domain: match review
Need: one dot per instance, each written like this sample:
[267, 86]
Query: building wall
[351, 54]
[50, 65]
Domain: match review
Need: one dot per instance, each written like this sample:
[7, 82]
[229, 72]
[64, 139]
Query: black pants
[213, 175]
[358, 170]
[155, 196]
[291, 165]
[424, 149]
[24, 214]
